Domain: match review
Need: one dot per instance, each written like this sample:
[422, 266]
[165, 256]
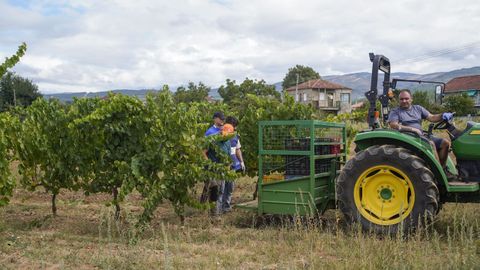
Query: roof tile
[318, 84]
[463, 84]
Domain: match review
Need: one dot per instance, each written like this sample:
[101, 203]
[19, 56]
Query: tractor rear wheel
[387, 189]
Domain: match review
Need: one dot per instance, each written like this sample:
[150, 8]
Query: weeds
[86, 235]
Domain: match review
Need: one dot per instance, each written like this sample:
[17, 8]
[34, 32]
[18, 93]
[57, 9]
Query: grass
[85, 236]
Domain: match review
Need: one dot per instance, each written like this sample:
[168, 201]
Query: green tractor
[394, 182]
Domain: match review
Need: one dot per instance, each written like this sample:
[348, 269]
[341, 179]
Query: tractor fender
[418, 146]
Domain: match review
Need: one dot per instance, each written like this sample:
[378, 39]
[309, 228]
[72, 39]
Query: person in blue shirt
[218, 121]
[408, 117]
[226, 187]
[213, 187]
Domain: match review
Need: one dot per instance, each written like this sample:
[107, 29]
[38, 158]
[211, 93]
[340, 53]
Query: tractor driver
[408, 117]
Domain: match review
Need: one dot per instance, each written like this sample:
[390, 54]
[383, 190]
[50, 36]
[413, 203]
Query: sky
[90, 45]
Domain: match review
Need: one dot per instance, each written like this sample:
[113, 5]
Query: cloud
[97, 45]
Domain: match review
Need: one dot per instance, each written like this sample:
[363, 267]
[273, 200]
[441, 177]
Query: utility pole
[296, 90]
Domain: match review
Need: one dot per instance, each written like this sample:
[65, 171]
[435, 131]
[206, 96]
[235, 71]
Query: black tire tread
[430, 198]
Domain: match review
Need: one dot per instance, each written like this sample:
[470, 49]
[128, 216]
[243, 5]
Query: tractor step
[250, 205]
[458, 183]
[457, 186]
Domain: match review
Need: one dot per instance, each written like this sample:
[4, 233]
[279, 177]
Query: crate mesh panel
[328, 141]
[274, 137]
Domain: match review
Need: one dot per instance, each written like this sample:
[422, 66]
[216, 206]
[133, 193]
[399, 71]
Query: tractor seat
[470, 124]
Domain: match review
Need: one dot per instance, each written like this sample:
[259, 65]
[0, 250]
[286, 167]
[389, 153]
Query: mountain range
[358, 82]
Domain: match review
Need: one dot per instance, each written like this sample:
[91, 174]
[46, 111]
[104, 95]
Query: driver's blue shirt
[409, 117]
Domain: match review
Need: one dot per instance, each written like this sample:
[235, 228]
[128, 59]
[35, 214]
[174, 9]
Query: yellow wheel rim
[384, 195]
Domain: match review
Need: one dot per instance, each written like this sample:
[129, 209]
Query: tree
[17, 91]
[192, 93]
[112, 133]
[8, 125]
[421, 98]
[44, 148]
[462, 104]
[233, 92]
[170, 164]
[425, 99]
[253, 109]
[304, 74]
[13, 60]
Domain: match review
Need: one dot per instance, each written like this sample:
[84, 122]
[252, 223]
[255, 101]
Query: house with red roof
[466, 84]
[323, 95]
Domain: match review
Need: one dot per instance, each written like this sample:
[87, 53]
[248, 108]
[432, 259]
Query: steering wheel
[444, 124]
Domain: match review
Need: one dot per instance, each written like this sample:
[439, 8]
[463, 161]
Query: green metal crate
[298, 163]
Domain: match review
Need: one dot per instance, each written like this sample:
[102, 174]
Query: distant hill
[68, 97]
[359, 82]
[141, 94]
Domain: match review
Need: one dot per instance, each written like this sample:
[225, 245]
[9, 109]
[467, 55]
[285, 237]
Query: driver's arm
[434, 118]
[397, 126]
[394, 125]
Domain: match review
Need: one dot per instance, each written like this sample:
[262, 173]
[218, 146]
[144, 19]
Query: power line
[439, 53]
[434, 54]
[442, 52]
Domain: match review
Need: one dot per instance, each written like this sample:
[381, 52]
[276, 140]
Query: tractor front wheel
[387, 189]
